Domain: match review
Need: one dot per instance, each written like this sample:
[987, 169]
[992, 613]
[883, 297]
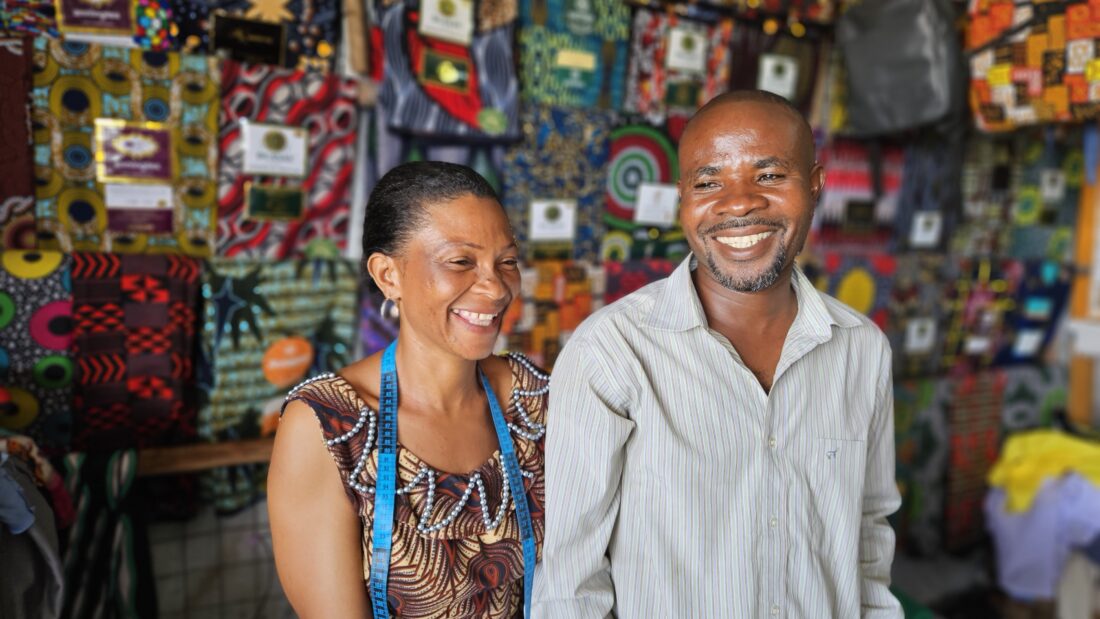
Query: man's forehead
[740, 124]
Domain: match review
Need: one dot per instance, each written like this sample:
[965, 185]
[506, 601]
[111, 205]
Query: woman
[438, 245]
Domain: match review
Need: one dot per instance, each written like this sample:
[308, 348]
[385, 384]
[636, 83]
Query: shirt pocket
[837, 468]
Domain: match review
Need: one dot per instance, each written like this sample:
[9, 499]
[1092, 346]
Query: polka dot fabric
[36, 369]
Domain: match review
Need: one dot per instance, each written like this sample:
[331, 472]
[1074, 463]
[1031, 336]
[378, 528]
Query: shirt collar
[678, 307]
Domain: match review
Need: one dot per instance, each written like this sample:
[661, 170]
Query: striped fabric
[676, 487]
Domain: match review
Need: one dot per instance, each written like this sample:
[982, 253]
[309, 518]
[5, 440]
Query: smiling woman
[452, 470]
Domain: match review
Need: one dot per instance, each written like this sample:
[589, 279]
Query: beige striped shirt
[676, 487]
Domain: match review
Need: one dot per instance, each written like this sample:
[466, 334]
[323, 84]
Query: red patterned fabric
[133, 336]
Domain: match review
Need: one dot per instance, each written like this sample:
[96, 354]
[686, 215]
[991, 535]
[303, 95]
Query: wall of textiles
[180, 233]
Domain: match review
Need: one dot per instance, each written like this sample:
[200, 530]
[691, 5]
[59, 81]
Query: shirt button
[774, 522]
[775, 609]
[772, 442]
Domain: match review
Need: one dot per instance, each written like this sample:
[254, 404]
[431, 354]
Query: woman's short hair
[397, 204]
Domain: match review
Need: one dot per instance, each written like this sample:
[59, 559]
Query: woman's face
[457, 275]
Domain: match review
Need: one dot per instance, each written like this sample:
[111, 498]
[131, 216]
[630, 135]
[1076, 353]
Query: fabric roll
[16, 162]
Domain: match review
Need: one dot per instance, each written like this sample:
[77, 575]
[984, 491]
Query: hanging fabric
[16, 160]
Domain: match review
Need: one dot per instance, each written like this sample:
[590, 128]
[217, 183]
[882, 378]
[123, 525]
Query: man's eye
[771, 177]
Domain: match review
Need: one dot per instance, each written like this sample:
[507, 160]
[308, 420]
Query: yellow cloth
[1029, 458]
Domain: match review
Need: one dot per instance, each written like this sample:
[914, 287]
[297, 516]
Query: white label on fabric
[981, 63]
[1052, 182]
[926, 229]
[656, 205]
[553, 220]
[920, 335]
[137, 196]
[274, 150]
[977, 345]
[1028, 342]
[1086, 337]
[448, 20]
[687, 50]
[778, 74]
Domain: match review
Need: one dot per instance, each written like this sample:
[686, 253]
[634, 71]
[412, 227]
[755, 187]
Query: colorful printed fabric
[464, 92]
[35, 333]
[325, 104]
[76, 83]
[313, 27]
[918, 315]
[639, 154]
[153, 25]
[574, 53]
[557, 295]
[752, 47]
[862, 282]
[1032, 67]
[624, 278]
[1040, 301]
[921, 436]
[108, 563]
[134, 329]
[1033, 394]
[564, 156]
[30, 16]
[852, 215]
[931, 192]
[16, 167]
[794, 11]
[987, 198]
[266, 326]
[660, 93]
[1047, 178]
[980, 293]
[974, 420]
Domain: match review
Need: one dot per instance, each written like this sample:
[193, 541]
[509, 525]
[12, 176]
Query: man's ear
[383, 270]
[817, 182]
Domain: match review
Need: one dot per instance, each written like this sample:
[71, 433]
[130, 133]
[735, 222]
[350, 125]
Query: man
[721, 442]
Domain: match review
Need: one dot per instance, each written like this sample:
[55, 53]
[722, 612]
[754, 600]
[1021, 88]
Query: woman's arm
[315, 529]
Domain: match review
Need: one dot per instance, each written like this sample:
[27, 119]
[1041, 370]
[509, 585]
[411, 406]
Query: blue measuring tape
[386, 487]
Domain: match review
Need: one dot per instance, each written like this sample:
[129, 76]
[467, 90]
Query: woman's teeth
[743, 242]
[481, 320]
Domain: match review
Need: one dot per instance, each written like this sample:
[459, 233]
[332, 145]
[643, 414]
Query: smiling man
[722, 443]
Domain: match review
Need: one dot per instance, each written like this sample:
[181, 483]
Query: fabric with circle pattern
[36, 368]
[325, 105]
[75, 83]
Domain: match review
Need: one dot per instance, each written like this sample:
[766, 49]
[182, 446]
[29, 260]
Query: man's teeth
[481, 320]
[742, 242]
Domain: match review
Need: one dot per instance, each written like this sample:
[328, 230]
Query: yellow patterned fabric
[463, 570]
[76, 83]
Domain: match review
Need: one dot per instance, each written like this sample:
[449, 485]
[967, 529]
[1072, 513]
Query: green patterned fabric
[76, 83]
[266, 327]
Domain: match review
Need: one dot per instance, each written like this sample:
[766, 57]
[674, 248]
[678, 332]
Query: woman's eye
[511, 262]
[462, 262]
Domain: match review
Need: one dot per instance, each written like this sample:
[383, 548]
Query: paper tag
[656, 205]
[445, 71]
[274, 150]
[1052, 182]
[926, 229]
[1038, 308]
[133, 152]
[1028, 342]
[1086, 337]
[107, 17]
[683, 94]
[687, 50]
[264, 203]
[137, 196]
[248, 40]
[778, 74]
[553, 220]
[920, 335]
[141, 220]
[575, 69]
[448, 20]
[977, 345]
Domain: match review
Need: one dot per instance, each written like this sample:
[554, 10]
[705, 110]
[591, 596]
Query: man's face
[748, 187]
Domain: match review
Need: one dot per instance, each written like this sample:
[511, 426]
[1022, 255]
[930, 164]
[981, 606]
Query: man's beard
[763, 281]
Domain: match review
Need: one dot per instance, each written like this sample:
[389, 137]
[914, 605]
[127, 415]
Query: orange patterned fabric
[462, 570]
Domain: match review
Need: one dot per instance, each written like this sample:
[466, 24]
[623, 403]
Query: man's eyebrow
[770, 162]
[707, 170]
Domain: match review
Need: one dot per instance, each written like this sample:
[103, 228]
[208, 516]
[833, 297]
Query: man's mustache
[744, 222]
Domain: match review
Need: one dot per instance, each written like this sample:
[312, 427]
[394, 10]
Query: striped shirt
[676, 487]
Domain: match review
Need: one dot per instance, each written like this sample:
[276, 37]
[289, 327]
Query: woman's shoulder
[333, 400]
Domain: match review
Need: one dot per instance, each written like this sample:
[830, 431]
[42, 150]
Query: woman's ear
[383, 270]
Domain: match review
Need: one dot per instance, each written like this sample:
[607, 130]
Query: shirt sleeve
[880, 499]
[585, 439]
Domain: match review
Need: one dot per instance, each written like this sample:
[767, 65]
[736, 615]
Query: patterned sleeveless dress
[456, 542]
